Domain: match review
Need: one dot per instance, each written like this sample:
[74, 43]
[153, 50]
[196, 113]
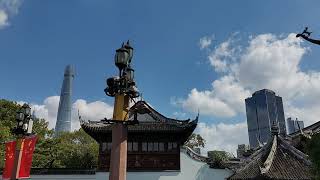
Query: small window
[150, 146]
[109, 146]
[135, 146]
[155, 146]
[103, 146]
[174, 145]
[129, 146]
[169, 146]
[161, 146]
[144, 146]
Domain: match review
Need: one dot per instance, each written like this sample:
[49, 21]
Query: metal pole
[118, 162]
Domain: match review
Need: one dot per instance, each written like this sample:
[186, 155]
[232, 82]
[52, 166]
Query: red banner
[10, 151]
[28, 145]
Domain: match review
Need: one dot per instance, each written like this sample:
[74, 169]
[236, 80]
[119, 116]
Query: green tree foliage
[195, 141]
[68, 150]
[313, 150]
[218, 157]
[7, 120]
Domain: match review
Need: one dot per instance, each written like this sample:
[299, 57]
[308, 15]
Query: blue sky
[39, 38]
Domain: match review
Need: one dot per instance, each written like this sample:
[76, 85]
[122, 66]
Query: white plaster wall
[190, 170]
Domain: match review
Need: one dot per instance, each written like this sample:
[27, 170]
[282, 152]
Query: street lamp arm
[314, 41]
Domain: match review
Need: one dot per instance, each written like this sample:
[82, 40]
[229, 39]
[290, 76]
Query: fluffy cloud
[223, 136]
[89, 111]
[96, 110]
[8, 8]
[224, 100]
[266, 61]
[205, 42]
[3, 19]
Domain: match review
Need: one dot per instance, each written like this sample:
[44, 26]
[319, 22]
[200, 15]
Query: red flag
[10, 151]
[28, 145]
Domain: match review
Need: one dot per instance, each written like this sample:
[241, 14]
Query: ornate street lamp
[24, 121]
[122, 88]
[129, 74]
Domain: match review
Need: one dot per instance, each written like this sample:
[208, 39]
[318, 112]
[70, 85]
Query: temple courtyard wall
[190, 170]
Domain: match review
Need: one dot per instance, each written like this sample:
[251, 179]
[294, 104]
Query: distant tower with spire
[63, 123]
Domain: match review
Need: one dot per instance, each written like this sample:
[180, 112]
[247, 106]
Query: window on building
[161, 146]
[109, 146]
[103, 146]
[155, 146]
[129, 146]
[144, 146]
[169, 146]
[174, 145]
[135, 146]
[150, 146]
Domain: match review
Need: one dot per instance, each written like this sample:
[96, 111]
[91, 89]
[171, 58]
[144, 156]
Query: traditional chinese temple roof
[309, 130]
[275, 160]
[150, 121]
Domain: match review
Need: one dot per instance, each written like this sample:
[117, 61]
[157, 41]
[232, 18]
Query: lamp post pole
[122, 88]
[118, 160]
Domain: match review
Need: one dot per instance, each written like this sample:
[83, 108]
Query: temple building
[155, 147]
[276, 160]
[153, 144]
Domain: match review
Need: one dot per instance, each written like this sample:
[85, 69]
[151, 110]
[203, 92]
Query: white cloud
[3, 19]
[226, 99]
[267, 61]
[179, 115]
[93, 111]
[205, 42]
[223, 55]
[223, 136]
[8, 8]
[96, 110]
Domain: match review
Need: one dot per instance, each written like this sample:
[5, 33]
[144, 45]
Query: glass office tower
[294, 125]
[64, 111]
[264, 108]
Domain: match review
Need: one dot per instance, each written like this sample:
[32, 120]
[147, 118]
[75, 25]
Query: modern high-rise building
[264, 108]
[64, 112]
[294, 125]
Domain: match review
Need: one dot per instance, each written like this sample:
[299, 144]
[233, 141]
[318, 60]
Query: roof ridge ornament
[268, 162]
[274, 129]
[306, 34]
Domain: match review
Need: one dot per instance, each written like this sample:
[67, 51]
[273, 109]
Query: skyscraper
[64, 112]
[264, 108]
[294, 125]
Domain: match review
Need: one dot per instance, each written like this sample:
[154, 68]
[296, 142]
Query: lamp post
[122, 88]
[23, 128]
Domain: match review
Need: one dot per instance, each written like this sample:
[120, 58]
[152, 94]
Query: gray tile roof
[276, 160]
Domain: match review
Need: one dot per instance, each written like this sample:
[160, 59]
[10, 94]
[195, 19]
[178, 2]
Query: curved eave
[97, 130]
[167, 119]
